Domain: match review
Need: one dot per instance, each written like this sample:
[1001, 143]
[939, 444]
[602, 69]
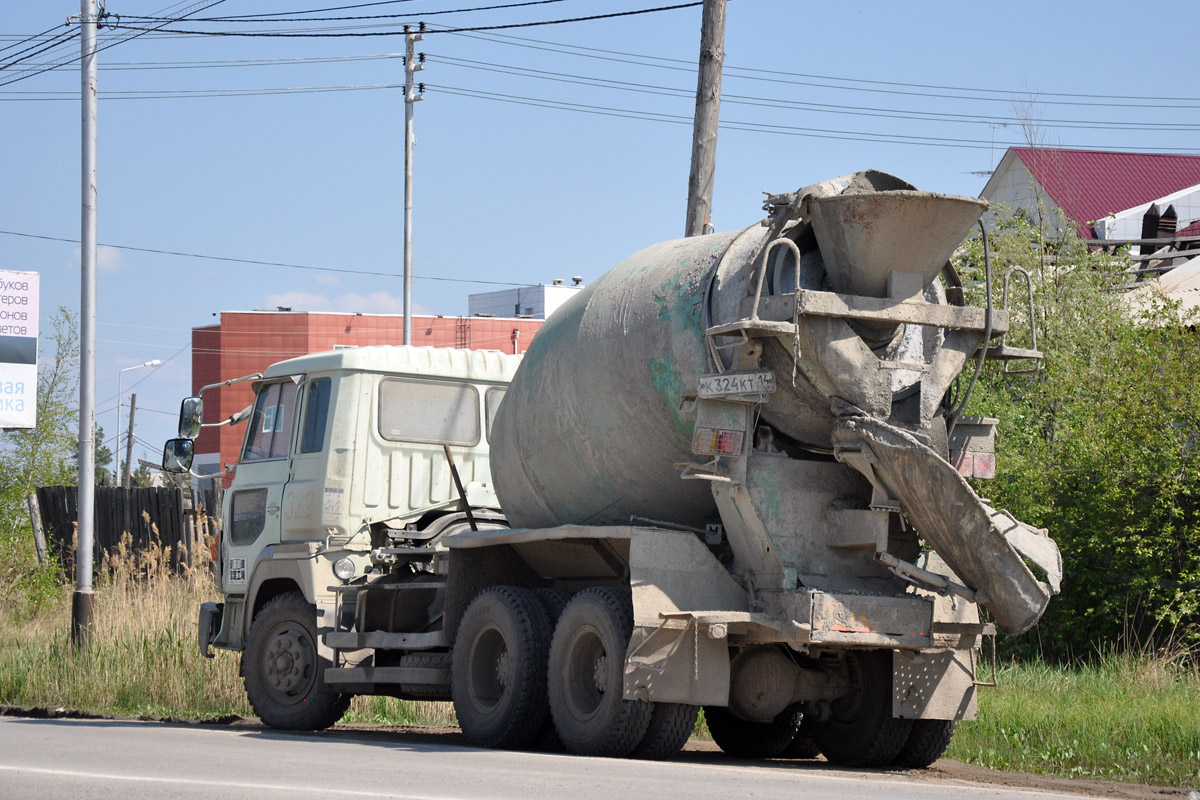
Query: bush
[1100, 447]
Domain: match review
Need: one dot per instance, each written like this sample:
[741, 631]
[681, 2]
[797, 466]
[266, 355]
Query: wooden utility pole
[35, 521]
[708, 112]
[125, 476]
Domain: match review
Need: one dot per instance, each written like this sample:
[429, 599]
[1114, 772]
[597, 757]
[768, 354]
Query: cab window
[492, 403]
[316, 412]
[249, 515]
[412, 410]
[270, 430]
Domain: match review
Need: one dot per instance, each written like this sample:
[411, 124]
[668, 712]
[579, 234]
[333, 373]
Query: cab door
[307, 499]
[255, 505]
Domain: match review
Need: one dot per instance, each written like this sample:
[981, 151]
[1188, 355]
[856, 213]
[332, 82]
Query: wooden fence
[150, 516]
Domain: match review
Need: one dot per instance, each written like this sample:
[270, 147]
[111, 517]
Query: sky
[542, 152]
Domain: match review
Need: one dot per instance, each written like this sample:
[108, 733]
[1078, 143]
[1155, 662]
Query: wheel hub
[288, 662]
[502, 670]
[600, 673]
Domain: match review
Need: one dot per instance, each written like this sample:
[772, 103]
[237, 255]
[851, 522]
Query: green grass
[1133, 718]
[1124, 717]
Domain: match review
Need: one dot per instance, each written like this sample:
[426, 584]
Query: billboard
[18, 349]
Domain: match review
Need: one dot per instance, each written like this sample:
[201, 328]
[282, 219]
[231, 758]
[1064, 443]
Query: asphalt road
[122, 759]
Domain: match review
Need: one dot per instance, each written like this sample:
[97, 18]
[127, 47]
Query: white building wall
[1128, 224]
[538, 302]
[1012, 185]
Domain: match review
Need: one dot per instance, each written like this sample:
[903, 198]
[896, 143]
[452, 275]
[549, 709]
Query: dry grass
[142, 659]
[1132, 717]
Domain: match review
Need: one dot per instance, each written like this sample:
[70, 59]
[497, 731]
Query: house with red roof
[1105, 195]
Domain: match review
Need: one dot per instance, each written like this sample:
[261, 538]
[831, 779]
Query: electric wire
[767, 102]
[244, 18]
[758, 127]
[729, 71]
[99, 47]
[362, 34]
[263, 263]
[30, 38]
[61, 39]
[732, 99]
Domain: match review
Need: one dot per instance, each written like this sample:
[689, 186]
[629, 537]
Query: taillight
[717, 442]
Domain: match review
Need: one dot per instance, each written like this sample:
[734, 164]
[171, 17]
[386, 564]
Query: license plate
[736, 383]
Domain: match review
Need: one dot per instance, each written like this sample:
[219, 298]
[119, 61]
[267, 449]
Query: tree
[40, 456]
[142, 477]
[1102, 447]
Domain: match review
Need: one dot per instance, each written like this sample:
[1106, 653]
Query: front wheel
[285, 673]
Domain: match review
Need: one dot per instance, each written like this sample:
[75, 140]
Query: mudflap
[987, 549]
[208, 625]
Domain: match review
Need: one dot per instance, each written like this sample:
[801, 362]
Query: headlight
[344, 569]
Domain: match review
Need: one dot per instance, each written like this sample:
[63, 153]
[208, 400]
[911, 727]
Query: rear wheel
[803, 744]
[745, 739]
[498, 679]
[587, 658]
[925, 745]
[283, 670]
[554, 600]
[862, 731]
[671, 724]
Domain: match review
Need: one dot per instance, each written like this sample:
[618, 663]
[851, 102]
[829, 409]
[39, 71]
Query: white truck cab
[342, 448]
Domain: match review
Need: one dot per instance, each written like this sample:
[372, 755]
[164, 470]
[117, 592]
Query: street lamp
[153, 363]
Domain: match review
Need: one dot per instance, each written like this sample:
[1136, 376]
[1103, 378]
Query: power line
[263, 263]
[61, 39]
[685, 66]
[359, 34]
[30, 38]
[690, 67]
[250, 17]
[640, 88]
[755, 127]
[178, 94]
[324, 10]
[887, 113]
[119, 39]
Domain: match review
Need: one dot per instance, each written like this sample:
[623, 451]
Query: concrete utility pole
[125, 476]
[81, 601]
[411, 66]
[708, 112]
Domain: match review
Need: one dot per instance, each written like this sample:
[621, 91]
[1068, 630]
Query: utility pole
[411, 65]
[81, 601]
[708, 112]
[125, 479]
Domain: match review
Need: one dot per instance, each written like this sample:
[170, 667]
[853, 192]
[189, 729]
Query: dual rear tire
[513, 667]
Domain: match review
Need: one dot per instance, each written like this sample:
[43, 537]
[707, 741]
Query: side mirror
[177, 455]
[191, 412]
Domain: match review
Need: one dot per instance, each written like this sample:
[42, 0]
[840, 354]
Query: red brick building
[245, 342]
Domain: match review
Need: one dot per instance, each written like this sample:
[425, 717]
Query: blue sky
[510, 186]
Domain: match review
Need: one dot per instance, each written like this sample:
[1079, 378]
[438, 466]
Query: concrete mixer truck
[731, 475]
